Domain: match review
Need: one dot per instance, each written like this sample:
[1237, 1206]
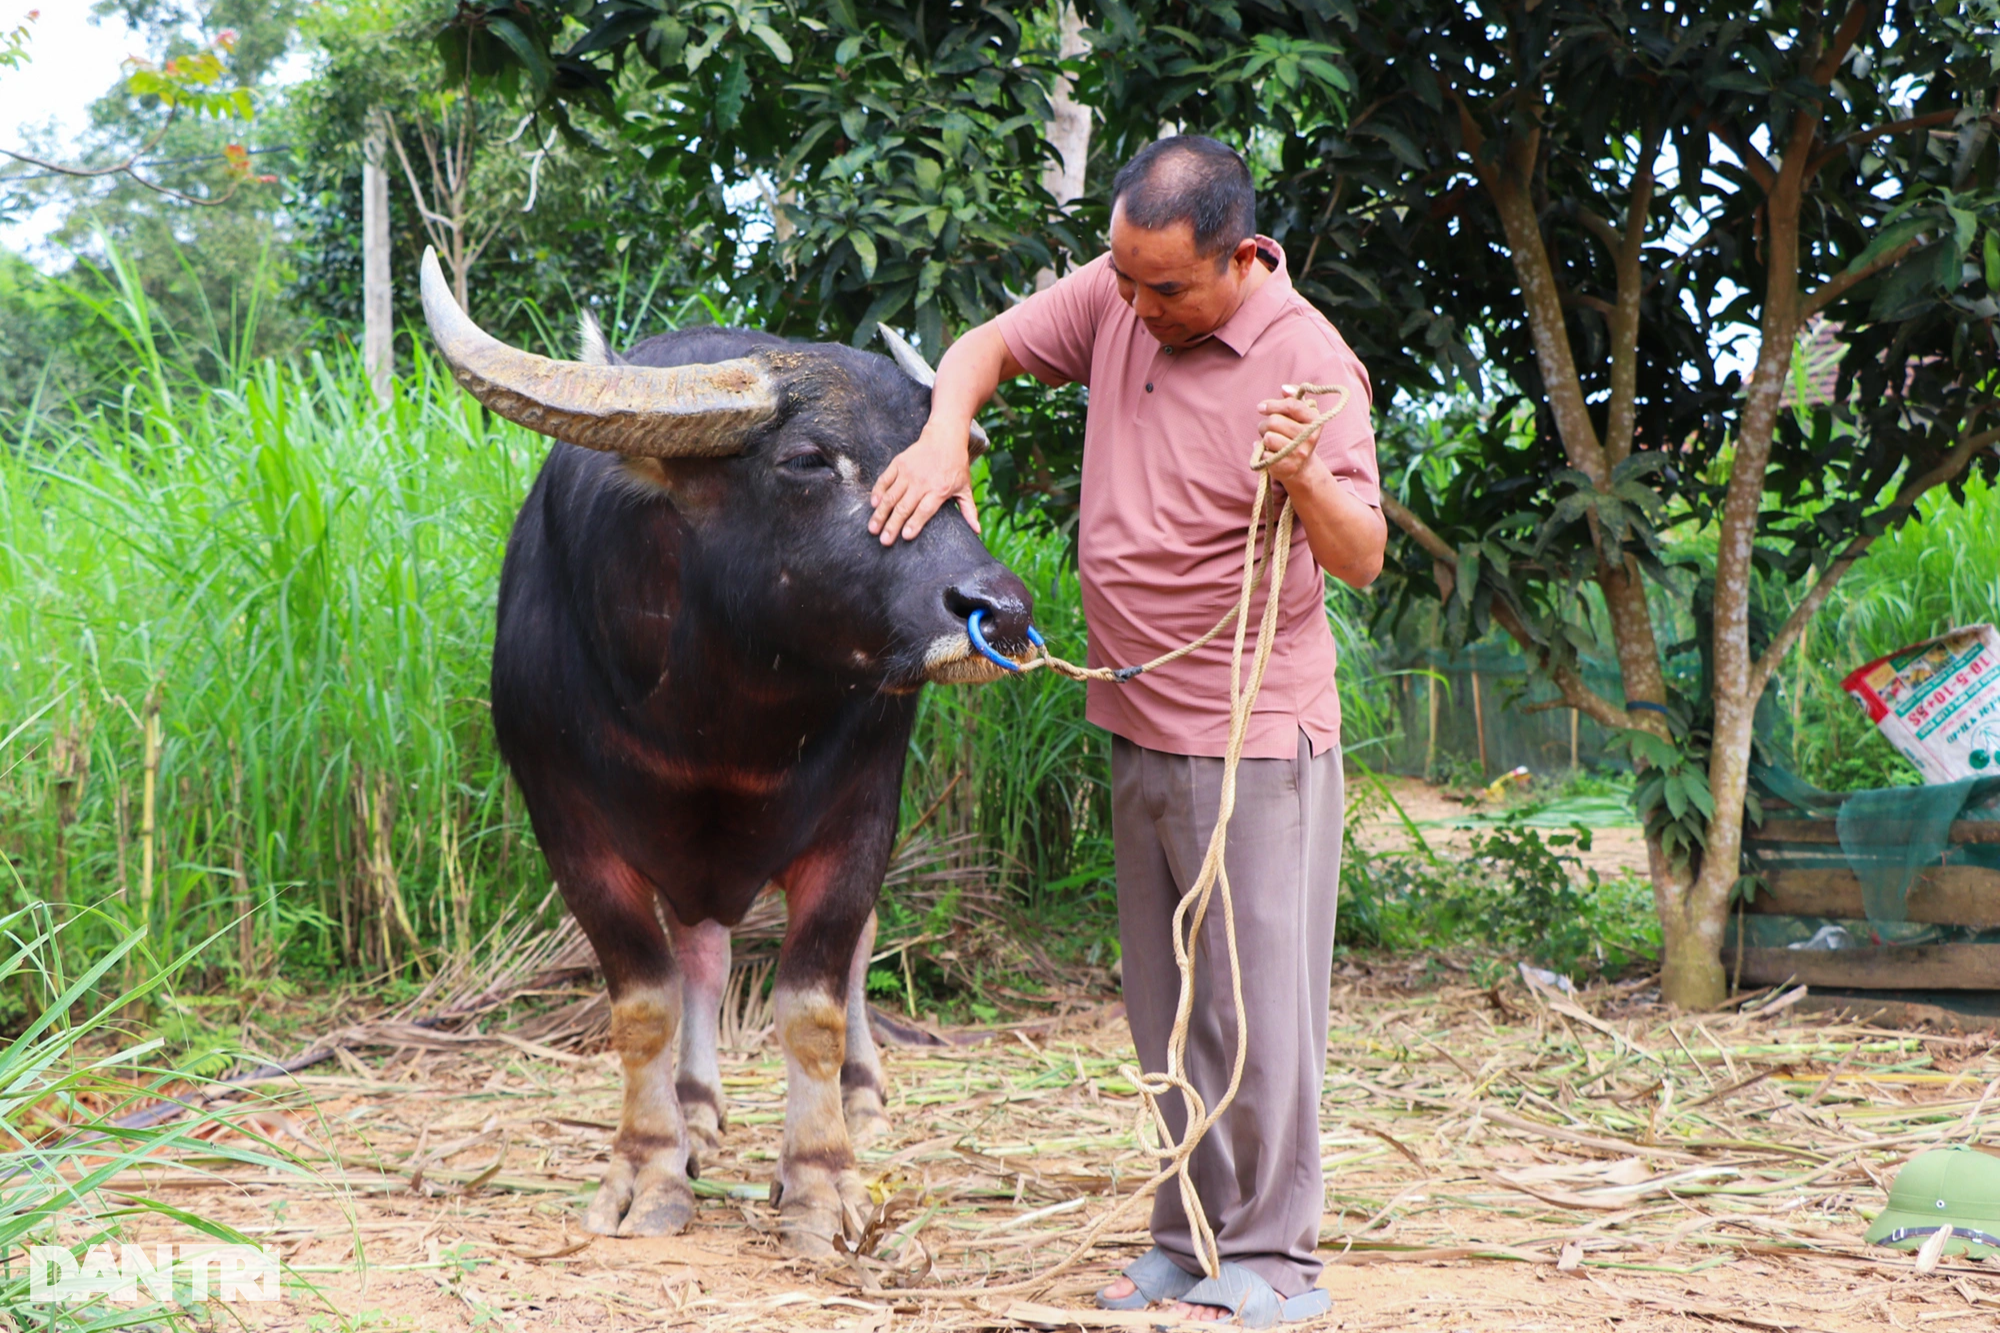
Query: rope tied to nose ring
[1192, 910]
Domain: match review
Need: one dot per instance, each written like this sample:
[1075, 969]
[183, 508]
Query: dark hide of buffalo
[704, 678]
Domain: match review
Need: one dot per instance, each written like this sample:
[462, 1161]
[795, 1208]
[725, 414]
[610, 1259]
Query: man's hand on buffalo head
[938, 467]
[920, 480]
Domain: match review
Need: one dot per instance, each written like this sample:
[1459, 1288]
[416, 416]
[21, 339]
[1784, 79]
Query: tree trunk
[377, 313]
[1068, 129]
[1691, 975]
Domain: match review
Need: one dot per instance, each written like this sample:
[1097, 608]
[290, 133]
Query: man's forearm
[971, 370]
[935, 468]
[1347, 537]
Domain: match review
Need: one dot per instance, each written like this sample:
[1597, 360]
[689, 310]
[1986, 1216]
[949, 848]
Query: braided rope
[1213, 875]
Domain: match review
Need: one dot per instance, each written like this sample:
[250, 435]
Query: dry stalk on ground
[1558, 1163]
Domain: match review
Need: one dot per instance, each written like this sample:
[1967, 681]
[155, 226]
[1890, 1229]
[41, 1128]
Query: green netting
[1776, 930]
[1885, 837]
[1891, 834]
[1480, 710]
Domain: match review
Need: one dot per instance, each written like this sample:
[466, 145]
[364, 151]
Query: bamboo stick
[246, 921]
[148, 799]
[1431, 737]
[1479, 721]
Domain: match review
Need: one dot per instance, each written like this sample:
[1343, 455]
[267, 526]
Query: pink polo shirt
[1167, 489]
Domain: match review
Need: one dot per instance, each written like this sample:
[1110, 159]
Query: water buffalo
[705, 673]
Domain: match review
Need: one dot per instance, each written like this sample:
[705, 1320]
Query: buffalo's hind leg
[702, 953]
[645, 1190]
[862, 1084]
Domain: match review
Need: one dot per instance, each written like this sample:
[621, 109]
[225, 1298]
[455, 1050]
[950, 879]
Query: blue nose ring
[985, 649]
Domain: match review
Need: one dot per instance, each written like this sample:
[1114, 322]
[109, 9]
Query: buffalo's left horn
[702, 411]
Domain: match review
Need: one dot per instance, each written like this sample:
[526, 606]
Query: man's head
[1184, 236]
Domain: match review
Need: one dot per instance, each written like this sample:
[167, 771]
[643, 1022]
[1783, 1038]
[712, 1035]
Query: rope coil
[1213, 875]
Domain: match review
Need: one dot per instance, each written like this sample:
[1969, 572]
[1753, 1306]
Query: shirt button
[1149, 388]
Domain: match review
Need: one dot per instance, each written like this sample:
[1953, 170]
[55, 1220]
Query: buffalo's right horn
[703, 411]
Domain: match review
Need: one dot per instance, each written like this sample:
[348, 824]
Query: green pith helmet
[1954, 1187]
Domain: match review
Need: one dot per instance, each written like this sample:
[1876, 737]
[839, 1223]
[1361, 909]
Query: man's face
[1182, 295]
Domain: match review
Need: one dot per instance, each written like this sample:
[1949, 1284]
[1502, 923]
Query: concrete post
[378, 347]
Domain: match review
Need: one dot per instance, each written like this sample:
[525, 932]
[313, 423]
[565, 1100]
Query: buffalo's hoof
[815, 1211]
[704, 1137]
[639, 1203]
[866, 1120]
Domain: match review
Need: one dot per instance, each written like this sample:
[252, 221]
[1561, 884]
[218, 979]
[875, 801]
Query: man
[1192, 341]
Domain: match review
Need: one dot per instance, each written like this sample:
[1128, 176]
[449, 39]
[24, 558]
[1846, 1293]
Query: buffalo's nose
[1005, 600]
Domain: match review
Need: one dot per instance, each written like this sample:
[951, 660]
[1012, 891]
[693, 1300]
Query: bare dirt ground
[1495, 1161]
[1448, 825]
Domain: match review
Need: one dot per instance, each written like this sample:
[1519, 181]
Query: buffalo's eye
[810, 460]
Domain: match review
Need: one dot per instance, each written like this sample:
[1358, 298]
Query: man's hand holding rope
[1346, 534]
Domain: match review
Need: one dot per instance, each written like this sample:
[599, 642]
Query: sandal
[1252, 1300]
[1155, 1277]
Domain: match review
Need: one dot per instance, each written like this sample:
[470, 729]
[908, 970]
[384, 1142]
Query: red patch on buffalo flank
[688, 776]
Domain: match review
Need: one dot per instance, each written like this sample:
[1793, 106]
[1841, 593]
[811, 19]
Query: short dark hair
[1193, 179]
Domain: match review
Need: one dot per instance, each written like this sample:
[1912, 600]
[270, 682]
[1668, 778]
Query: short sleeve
[1053, 333]
[1347, 444]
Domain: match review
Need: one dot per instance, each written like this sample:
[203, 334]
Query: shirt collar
[1242, 329]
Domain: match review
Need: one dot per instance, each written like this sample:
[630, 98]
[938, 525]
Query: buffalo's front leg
[820, 1192]
[645, 1191]
[863, 1087]
[702, 953]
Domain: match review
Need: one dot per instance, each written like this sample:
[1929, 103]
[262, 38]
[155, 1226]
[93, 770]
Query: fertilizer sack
[1938, 702]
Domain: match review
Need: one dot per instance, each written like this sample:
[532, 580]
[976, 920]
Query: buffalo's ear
[591, 348]
[697, 488]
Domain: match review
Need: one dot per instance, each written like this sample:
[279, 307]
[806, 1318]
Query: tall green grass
[1015, 764]
[291, 591]
[65, 1081]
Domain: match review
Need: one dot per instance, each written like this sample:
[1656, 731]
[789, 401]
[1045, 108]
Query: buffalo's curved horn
[909, 358]
[913, 364]
[702, 411]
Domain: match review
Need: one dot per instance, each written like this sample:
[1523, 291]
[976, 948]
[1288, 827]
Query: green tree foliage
[897, 147]
[565, 215]
[14, 46]
[1273, 80]
[164, 174]
[264, 29]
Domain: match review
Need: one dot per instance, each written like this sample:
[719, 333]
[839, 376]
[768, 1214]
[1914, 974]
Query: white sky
[72, 61]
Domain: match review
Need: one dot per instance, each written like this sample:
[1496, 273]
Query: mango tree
[1633, 213]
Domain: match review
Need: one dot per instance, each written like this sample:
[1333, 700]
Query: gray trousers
[1258, 1170]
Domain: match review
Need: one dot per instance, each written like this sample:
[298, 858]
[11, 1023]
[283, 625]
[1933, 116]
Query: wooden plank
[1904, 1014]
[1941, 895]
[1893, 967]
[1963, 832]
